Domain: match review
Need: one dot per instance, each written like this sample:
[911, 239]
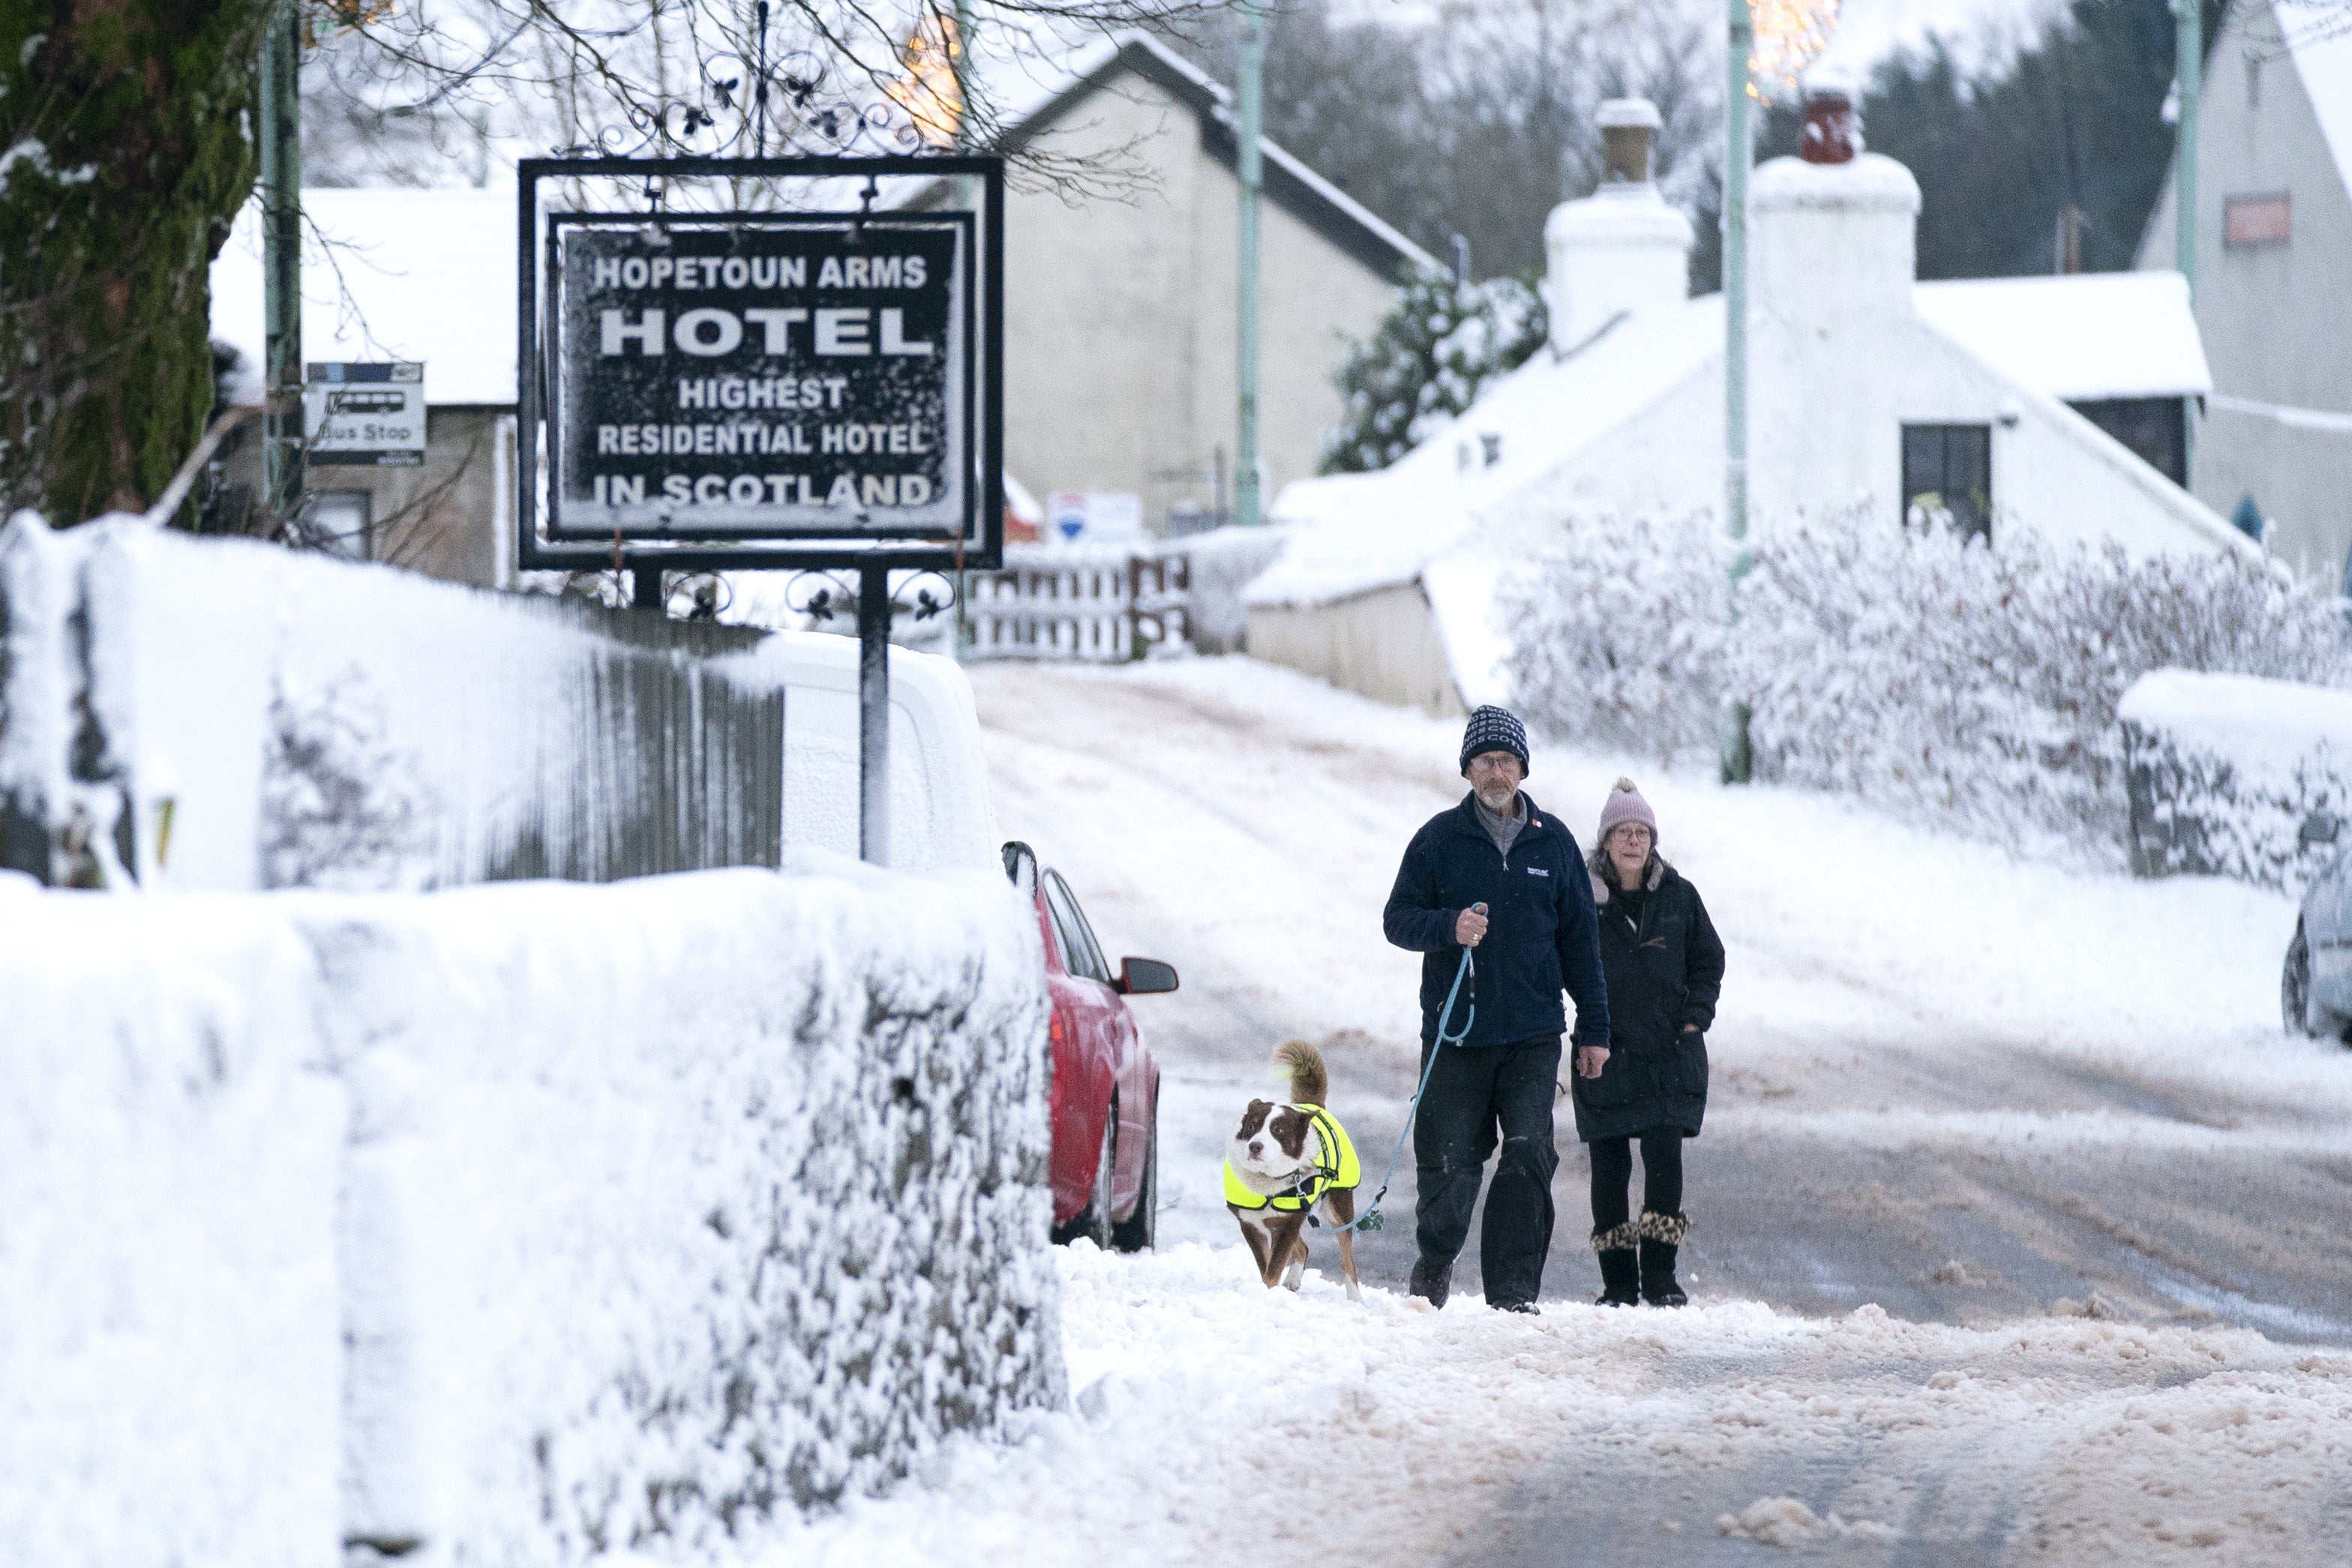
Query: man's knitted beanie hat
[1493, 728]
[1625, 805]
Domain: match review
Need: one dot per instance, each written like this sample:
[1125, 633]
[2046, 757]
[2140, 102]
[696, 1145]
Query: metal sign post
[808, 391]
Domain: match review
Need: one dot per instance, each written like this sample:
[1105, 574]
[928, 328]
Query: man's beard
[1500, 799]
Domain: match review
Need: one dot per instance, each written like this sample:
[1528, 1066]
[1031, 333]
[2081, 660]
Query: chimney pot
[1832, 129]
[1629, 127]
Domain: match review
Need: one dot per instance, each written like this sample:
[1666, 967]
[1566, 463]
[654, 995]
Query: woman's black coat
[1662, 976]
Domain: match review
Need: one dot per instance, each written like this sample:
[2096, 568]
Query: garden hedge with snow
[1982, 688]
[510, 1224]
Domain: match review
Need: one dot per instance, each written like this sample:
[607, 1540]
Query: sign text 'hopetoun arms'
[802, 373]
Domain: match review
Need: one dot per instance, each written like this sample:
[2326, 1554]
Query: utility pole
[1737, 153]
[2189, 71]
[281, 263]
[1246, 500]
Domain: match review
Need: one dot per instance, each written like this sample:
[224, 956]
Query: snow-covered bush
[1617, 634]
[2228, 775]
[1901, 664]
[1426, 362]
[340, 806]
[1981, 683]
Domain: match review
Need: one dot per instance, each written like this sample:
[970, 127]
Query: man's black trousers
[1474, 1093]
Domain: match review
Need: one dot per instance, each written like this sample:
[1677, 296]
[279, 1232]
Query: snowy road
[2021, 1232]
[1947, 1084]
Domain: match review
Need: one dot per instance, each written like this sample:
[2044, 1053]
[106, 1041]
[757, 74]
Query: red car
[1105, 1102]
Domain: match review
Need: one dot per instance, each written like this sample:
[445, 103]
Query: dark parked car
[1105, 1102]
[2315, 985]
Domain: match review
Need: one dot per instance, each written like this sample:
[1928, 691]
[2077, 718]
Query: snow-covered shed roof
[2091, 335]
[1290, 182]
[388, 275]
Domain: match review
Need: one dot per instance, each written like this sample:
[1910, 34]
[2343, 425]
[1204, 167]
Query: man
[1498, 849]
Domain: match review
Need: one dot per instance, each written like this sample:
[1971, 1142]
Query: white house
[1867, 389]
[2274, 277]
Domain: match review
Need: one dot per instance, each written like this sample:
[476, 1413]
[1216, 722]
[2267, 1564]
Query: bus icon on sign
[366, 402]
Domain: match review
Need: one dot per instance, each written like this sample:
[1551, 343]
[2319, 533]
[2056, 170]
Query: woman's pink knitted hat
[1625, 805]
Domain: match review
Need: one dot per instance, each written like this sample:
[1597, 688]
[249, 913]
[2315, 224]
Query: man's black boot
[1661, 1236]
[1431, 1281]
[1620, 1284]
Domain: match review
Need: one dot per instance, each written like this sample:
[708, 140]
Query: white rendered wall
[1622, 249]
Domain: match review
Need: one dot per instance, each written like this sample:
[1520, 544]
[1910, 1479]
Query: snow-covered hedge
[1978, 685]
[2235, 776]
[663, 1205]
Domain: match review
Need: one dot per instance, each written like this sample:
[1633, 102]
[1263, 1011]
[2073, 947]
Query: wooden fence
[1092, 604]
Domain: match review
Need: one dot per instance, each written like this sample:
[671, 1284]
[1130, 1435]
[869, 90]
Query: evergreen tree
[1427, 361]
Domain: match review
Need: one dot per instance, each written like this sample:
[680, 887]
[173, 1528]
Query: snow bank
[2225, 773]
[2095, 1440]
[657, 1209]
[260, 718]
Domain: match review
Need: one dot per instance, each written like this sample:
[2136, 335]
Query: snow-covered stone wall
[549, 1219]
[170, 1373]
[2236, 776]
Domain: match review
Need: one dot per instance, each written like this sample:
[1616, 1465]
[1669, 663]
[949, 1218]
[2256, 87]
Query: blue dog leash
[1370, 1219]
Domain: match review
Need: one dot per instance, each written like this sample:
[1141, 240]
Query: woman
[1665, 967]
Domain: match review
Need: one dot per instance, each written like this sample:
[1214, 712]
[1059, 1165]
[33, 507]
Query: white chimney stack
[1834, 228]
[1622, 249]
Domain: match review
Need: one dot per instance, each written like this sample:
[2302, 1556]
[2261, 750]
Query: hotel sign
[757, 377]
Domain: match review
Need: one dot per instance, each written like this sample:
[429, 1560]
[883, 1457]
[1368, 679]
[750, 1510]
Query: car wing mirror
[2320, 828]
[1145, 976]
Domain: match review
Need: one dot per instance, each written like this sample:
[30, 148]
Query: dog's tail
[1310, 1080]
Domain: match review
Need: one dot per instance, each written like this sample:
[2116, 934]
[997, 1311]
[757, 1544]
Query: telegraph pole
[2189, 71]
[1737, 153]
[1246, 500]
[282, 259]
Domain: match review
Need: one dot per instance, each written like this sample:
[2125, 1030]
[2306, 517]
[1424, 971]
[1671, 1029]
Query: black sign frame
[981, 545]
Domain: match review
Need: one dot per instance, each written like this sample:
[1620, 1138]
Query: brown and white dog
[1288, 1160]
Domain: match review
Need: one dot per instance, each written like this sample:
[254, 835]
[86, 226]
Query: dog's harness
[1336, 1166]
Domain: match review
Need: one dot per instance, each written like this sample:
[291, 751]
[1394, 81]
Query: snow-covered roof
[2091, 335]
[1524, 425]
[388, 275]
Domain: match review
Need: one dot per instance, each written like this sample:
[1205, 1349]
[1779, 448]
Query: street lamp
[1771, 42]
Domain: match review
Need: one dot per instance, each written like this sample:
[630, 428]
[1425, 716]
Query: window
[339, 522]
[2249, 222]
[2157, 428]
[1947, 478]
[1079, 953]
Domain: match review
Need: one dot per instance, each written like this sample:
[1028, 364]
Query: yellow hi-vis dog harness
[1344, 1171]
